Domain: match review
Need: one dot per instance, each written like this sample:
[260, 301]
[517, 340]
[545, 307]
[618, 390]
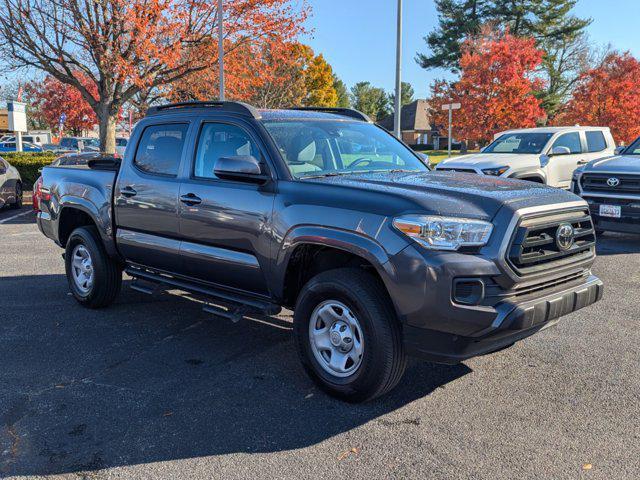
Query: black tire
[383, 359]
[18, 203]
[107, 274]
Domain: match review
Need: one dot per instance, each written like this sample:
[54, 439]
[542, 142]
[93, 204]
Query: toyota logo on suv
[565, 236]
[613, 182]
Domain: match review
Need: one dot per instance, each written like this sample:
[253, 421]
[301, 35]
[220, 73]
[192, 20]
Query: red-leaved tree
[496, 88]
[609, 96]
[52, 98]
[126, 47]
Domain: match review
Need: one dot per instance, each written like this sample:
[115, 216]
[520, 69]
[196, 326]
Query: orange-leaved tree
[609, 96]
[497, 87]
[127, 46]
[52, 99]
[271, 74]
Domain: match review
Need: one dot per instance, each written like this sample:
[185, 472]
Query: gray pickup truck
[322, 212]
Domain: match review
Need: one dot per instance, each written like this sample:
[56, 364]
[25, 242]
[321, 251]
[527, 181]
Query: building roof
[415, 116]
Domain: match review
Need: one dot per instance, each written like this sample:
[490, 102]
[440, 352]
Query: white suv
[544, 155]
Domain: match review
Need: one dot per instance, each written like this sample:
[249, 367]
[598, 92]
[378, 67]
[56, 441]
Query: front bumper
[629, 222]
[514, 320]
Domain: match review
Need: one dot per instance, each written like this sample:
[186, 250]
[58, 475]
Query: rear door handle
[128, 191]
[190, 199]
[583, 162]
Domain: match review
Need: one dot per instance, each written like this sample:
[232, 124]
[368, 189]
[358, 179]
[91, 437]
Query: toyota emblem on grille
[613, 182]
[565, 236]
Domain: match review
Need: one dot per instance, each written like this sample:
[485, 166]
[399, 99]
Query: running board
[241, 303]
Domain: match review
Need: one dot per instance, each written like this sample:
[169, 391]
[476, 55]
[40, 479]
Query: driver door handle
[128, 191]
[190, 199]
[583, 162]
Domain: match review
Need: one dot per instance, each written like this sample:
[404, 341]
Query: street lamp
[221, 50]
[397, 119]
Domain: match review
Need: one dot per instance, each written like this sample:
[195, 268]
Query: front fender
[529, 173]
[348, 241]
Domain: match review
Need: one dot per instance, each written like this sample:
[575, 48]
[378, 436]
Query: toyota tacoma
[320, 211]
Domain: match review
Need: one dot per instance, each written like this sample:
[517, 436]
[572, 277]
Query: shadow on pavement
[155, 379]
[612, 243]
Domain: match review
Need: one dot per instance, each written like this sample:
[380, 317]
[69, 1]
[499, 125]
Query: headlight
[496, 172]
[444, 233]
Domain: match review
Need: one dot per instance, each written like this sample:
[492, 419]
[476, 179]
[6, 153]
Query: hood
[491, 160]
[446, 193]
[616, 164]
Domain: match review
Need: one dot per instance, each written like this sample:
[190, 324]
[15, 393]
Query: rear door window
[595, 141]
[160, 149]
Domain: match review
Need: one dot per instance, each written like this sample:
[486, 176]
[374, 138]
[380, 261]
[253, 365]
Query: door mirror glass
[560, 151]
[240, 168]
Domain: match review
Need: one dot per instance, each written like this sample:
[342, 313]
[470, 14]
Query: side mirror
[559, 151]
[619, 150]
[241, 168]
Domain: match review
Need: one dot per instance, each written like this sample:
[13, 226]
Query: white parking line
[13, 217]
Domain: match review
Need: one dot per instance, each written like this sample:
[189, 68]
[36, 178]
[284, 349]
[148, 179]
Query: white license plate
[613, 211]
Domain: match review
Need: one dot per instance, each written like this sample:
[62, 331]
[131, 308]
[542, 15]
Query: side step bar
[241, 304]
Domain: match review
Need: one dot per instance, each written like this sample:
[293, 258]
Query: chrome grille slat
[593, 182]
[534, 248]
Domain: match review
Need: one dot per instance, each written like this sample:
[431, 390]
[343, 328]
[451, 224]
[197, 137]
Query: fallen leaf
[60, 385]
[308, 396]
[167, 414]
[344, 455]
[587, 466]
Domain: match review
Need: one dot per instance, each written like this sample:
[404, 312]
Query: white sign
[452, 106]
[17, 116]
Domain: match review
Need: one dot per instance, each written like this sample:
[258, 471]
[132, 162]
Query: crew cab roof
[552, 130]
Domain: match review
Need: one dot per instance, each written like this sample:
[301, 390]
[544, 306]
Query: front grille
[535, 246]
[600, 182]
[460, 170]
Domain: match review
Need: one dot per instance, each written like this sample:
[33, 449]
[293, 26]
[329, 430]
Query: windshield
[519, 143]
[333, 147]
[633, 149]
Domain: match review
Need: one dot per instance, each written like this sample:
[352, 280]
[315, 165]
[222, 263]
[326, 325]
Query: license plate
[613, 211]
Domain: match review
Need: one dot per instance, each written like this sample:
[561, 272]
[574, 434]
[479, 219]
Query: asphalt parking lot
[154, 387]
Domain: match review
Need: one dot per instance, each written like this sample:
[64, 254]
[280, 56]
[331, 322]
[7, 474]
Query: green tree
[550, 22]
[370, 100]
[342, 92]
[406, 95]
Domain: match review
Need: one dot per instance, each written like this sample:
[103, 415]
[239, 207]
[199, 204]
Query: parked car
[379, 257]
[10, 185]
[40, 138]
[611, 187]
[26, 147]
[80, 144]
[546, 155]
[121, 146]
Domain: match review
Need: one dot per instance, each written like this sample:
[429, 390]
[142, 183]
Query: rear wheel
[18, 196]
[348, 337]
[94, 278]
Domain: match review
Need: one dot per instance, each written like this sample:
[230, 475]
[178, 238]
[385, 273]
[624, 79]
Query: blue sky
[358, 36]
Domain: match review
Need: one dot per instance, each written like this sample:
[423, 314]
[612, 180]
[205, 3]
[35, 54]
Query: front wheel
[94, 278]
[348, 336]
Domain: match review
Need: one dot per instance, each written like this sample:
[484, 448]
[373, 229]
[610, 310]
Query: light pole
[221, 49]
[397, 119]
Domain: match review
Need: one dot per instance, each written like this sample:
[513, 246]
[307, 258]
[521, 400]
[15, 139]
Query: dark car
[611, 187]
[322, 212]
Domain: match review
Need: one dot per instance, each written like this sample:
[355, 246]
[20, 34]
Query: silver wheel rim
[82, 269]
[336, 338]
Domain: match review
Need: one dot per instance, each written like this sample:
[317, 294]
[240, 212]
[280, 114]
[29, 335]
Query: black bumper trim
[514, 323]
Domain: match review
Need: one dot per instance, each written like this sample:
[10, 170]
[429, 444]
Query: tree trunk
[107, 127]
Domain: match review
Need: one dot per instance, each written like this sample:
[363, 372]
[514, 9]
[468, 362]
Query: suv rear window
[160, 149]
[595, 141]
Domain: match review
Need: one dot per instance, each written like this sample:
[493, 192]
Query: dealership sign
[17, 116]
